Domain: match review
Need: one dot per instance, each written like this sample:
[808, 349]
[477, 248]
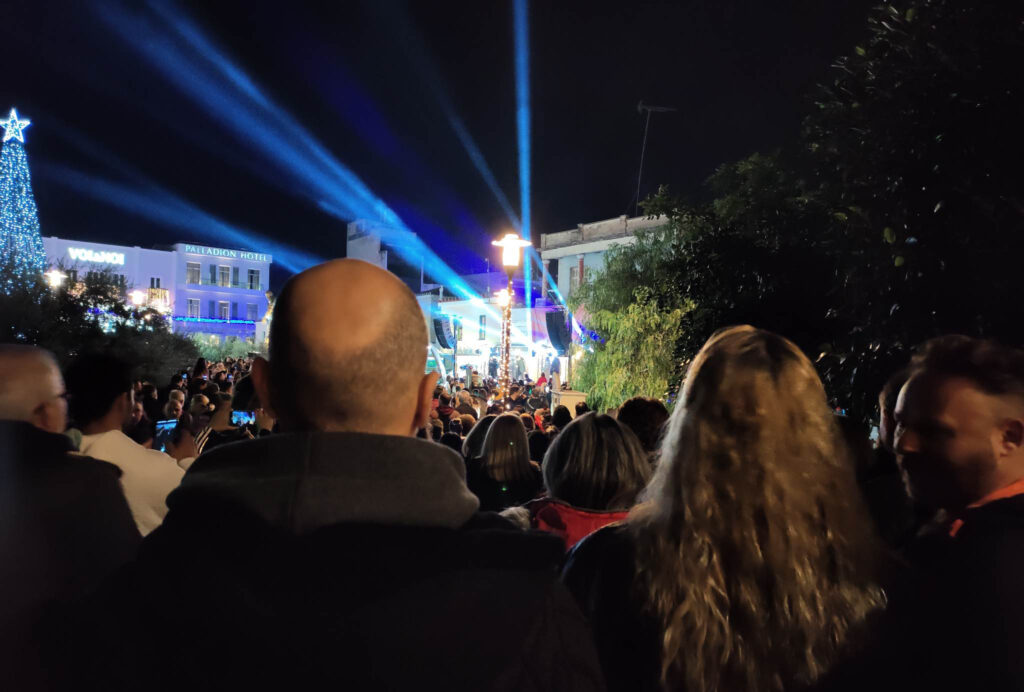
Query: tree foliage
[636, 358]
[898, 217]
[89, 317]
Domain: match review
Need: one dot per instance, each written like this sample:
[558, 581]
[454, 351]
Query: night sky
[372, 81]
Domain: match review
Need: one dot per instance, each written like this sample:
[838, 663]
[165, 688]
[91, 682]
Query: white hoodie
[147, 475]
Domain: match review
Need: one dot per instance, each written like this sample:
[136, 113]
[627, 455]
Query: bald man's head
[348, 347]
[31, 387]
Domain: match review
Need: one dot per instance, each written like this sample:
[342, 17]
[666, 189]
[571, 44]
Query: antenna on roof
[640, 108]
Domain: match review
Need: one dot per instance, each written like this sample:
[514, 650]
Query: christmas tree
[20, 242]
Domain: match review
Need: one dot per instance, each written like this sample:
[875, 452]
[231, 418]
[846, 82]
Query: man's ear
[1013, 436]
[260, 373]
[424, 401]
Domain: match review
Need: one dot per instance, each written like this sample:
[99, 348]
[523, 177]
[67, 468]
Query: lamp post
[511, 250]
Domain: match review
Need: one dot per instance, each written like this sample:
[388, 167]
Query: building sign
[228, 254]
[85, 255]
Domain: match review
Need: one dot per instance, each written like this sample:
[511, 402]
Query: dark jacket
[962, 626]
[340, 561]
[465, 409]
[64, 526]
[599, 573]
[497, 495]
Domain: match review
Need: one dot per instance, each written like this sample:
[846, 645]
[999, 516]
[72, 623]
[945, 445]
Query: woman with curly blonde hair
[750, 564]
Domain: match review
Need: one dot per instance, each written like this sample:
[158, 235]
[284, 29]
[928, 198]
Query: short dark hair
[245, 397]
[561, 417]
[646, 418]
[596, 463]
[992, 367]
[453, 440]
[94, 381]
[581, 408]
[538, 442]
[528, 422]
[891, 389]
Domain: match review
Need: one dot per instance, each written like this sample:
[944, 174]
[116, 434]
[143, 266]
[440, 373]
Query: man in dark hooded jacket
[342, 553]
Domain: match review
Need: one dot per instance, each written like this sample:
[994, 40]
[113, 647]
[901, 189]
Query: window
[458, 330]
[212, 309]
[483, 328]
[234, 311]
[250, 311]
[192, 272]
[193, 307]
[234, 277]
[222, 309]
[574, 278]
[213, 274]
[254, 279]
[223, 275]
[154, 282]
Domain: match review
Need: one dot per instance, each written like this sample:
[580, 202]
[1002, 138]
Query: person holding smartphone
[220, 429]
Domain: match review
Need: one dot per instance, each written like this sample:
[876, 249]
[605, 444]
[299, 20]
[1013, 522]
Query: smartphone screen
[164, 428]
[243, 417]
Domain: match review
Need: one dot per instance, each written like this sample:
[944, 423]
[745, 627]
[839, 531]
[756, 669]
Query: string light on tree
[20, 240]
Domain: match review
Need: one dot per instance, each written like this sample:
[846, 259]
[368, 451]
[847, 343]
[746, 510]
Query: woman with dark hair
[561, 417]
[751, 563]
[503, 475]
[593, 472]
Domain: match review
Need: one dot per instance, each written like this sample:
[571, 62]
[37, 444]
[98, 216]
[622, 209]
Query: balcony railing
[228, 284]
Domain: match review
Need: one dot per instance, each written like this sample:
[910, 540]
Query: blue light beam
[163, 207]
[523, 127]
[194, 66]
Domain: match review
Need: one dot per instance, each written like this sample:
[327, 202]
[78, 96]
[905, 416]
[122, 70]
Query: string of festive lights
[20, 241]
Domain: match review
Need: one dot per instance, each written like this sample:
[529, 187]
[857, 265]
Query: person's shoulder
[611, 545]
[495, 541]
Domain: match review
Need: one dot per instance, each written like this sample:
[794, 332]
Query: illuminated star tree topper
[13, 126]
[20, 242]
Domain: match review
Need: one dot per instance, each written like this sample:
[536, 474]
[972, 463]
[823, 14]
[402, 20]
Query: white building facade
[202, 289]
[582, 249]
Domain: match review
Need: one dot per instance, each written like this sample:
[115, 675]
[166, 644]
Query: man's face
[946, 438]
[137, 412]
[175, 409]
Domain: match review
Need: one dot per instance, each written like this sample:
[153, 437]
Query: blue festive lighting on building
[20, 240]
[210, 320]
[197, 68]
[523, 126]
[158, 205]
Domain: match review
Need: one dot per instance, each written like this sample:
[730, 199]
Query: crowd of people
[331, 515]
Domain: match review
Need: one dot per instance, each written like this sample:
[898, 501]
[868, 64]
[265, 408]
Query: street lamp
[511, 249]
[55, 278]
[138, 298]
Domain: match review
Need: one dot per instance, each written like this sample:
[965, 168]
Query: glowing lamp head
[511, 245]
[504, 297]
[137, 297]
[55, 278]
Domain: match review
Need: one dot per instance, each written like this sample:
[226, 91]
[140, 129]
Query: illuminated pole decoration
[511, 249]
[20, 240]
